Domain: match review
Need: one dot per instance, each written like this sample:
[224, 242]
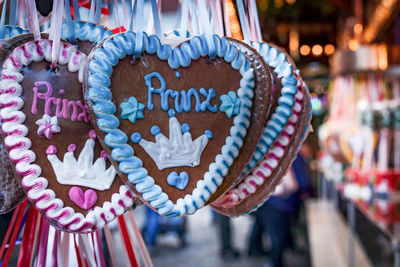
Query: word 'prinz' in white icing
[179, 150]
[82, 172]
[63, 106]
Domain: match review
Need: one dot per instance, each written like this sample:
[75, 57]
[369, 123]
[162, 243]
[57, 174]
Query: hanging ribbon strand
[226, 20]
[156, 18]
[3, 20]
[70, 25]
[243, 21]
[55, 30]
[76, 10]
[33, 21]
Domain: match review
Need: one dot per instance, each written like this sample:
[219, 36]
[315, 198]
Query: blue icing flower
[180, 181]
[230, 104]
[132, 109]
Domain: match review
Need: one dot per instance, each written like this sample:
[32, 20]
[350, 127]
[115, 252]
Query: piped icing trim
[304, 135]
[265, 167]
[99, 93]
[284, 70]
[86, 31]
[11, 102]
[9, 31]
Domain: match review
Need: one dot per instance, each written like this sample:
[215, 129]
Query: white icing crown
[83, 172]
[179, 150]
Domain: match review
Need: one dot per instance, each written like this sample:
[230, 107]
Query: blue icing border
[284, 70]
[8, 31]
[99, 94]
[86, 31]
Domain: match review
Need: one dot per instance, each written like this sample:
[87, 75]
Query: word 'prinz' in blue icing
[182, 99]
[179, 181]
[230, 104]
[132, 109]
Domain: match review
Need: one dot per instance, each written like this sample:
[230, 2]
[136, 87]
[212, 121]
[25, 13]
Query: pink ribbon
[55, 30]
[33, 21]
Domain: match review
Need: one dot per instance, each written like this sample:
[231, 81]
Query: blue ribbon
[243, 21]
[156, 18]
[98, 12]
[70, 25]
[76, 10]
[3, 20]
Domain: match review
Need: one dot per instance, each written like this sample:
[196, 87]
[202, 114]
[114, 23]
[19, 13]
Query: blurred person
[280, 212]
[224, 228]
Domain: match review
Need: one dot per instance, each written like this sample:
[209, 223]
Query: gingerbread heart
[11, 193]
[160, 110]
[51, 142]
[285, 130]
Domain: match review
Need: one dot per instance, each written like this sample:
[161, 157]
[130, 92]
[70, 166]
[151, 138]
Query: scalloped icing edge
[99, 94]
[284, 70]
[18, 144]
[11, 31]
[86, 31]
[265, 167]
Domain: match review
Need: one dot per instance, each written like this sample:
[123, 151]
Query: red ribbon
[28, 238]
[127, 241]
[14, 235]
[9, 230]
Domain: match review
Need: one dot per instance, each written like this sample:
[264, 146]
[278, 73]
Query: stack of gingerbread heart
[179, 123]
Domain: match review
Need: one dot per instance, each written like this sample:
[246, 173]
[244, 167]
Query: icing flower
[132, 109]
[230, 104]
[48, 126]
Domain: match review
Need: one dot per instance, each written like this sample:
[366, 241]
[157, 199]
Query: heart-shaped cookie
[51, 142]
[285, 130]
[161, 110]
[11, 192]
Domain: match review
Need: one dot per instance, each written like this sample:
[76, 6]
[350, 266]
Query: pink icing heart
[84, 200]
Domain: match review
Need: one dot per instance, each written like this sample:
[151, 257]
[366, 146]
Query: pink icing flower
[48, 126]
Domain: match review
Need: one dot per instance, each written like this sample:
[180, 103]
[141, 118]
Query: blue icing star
[132, 109]
[230, 104]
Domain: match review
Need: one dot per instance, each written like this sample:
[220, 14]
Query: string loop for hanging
[70, 25]
[156, 18]
[139, 27]
[75, 5]
[55, 30]
[243, 21]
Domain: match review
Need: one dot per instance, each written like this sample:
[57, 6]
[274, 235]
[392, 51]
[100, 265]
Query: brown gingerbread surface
[127, 80]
